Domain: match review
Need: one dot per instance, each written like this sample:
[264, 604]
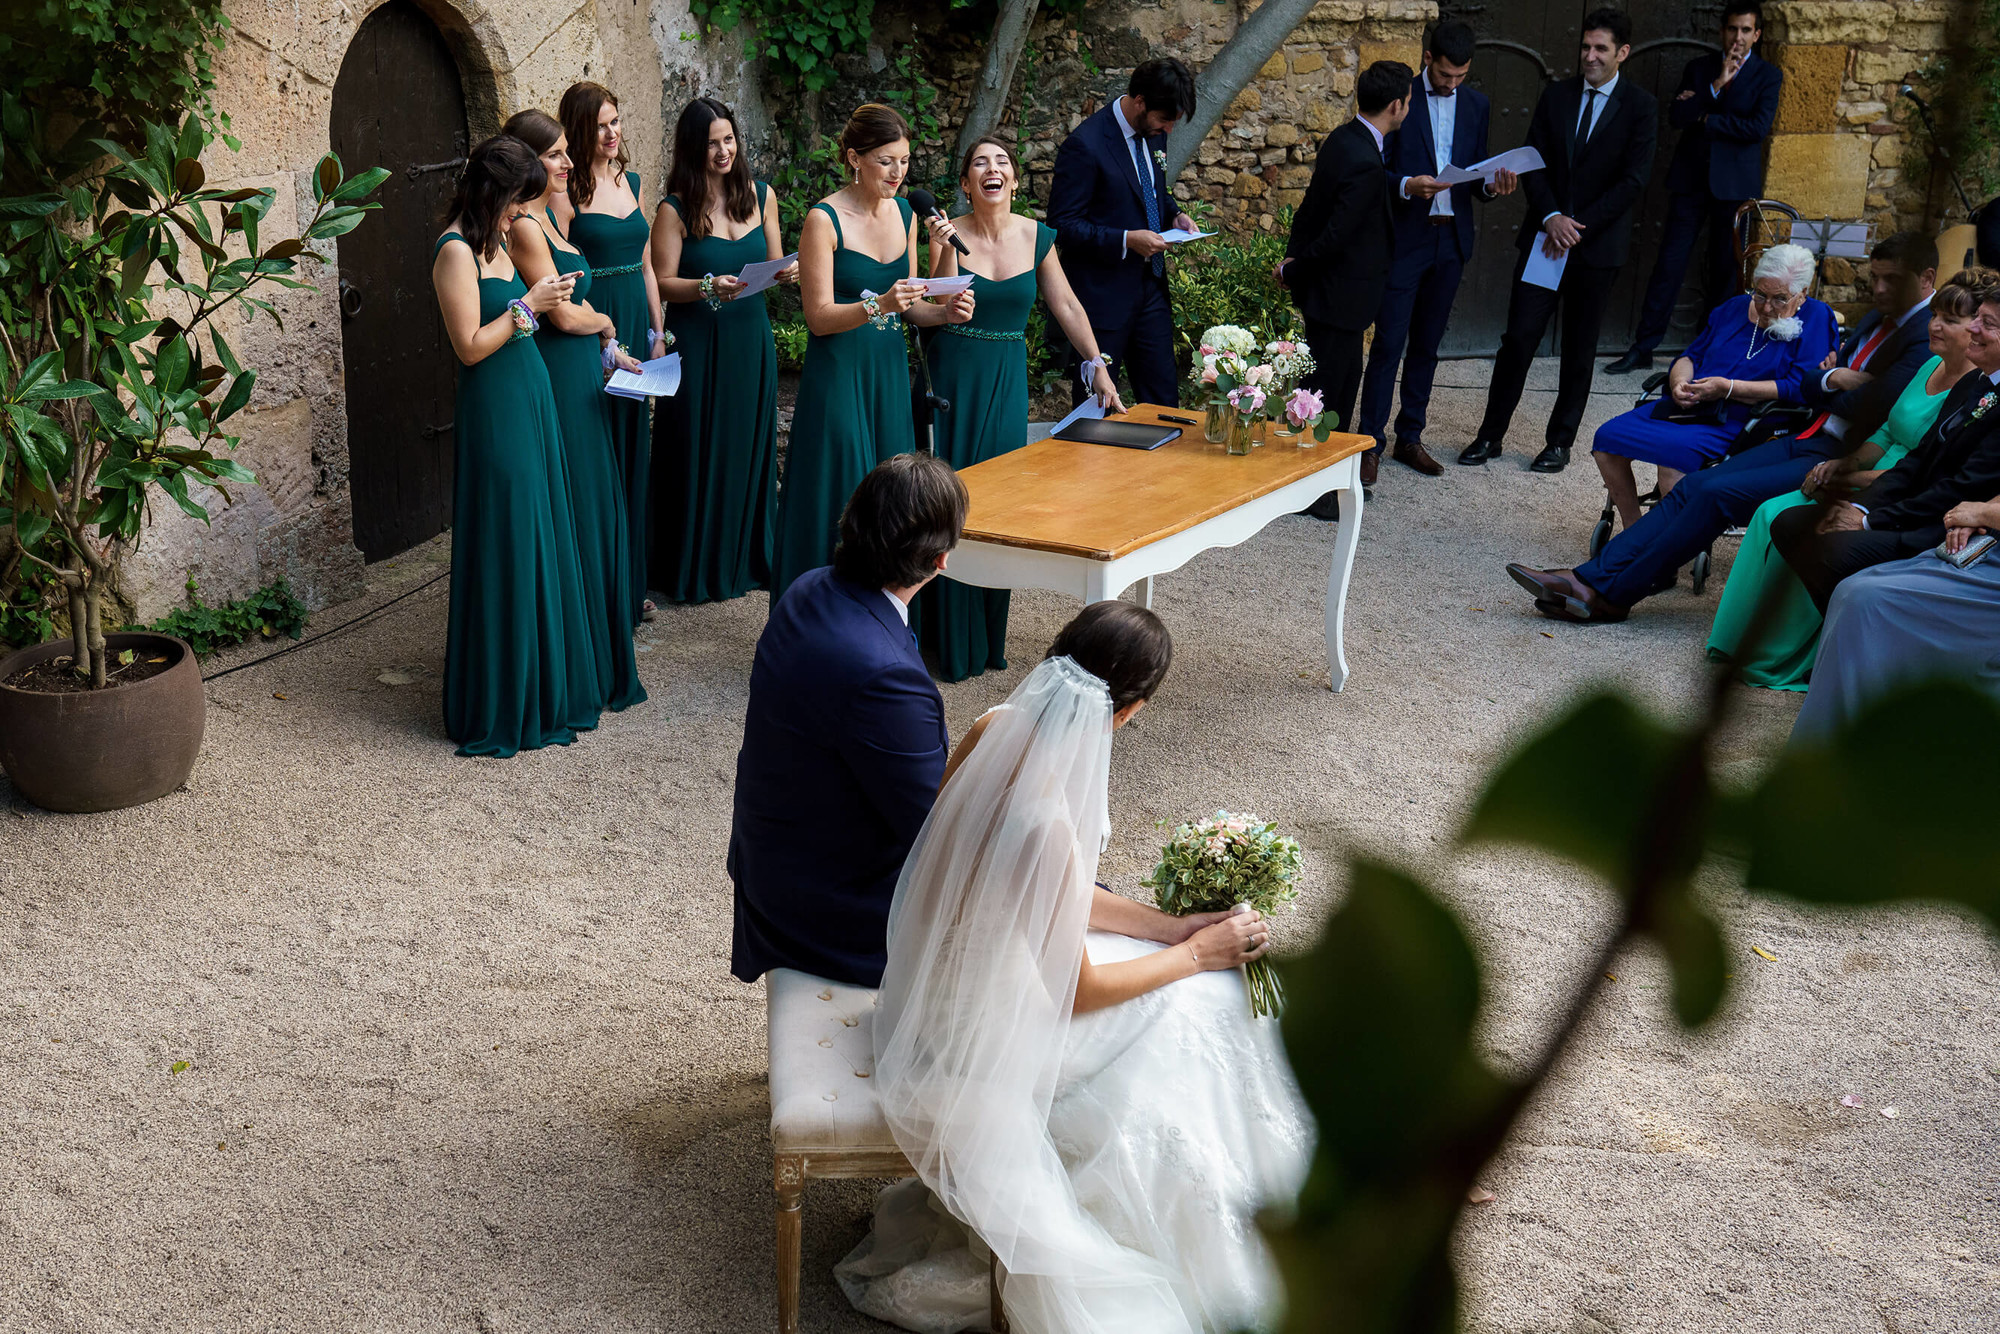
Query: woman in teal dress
[854, 394]
[981, 369]
[603, 218]
[574, 341]
[1782, 658]
[715, 443]
[519, 664]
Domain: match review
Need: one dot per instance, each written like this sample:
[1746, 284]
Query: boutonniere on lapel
[1160, 160]
[1985, 406]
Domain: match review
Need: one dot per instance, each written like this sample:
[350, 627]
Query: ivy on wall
[127, 61]
[799, 37]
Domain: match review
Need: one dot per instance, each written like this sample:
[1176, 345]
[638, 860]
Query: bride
[1075, 1076]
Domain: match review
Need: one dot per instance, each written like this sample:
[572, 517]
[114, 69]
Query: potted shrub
[116, 384]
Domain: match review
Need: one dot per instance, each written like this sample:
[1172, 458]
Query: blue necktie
[1158, 263]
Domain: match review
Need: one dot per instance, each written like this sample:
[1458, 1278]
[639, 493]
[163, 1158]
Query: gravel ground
[464, 1053]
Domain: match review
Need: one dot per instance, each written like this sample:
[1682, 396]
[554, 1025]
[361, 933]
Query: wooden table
[1092, 520]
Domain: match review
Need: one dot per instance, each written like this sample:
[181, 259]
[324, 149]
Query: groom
[844, 744]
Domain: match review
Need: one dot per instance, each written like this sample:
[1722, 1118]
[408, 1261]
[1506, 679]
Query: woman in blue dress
[1757, 347]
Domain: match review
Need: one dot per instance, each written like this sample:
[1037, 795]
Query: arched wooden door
[1523, 45]
[398, 103]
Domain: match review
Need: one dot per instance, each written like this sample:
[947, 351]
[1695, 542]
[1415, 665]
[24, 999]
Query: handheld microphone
[924, 202]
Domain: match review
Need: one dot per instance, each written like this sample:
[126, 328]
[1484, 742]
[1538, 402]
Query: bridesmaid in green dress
[981, 369]
[1783, 656]
[715, 443]
[574, 341]
[519, 669]
[854, 394]
[603, 218]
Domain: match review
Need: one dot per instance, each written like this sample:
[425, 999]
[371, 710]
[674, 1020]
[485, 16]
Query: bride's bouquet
[1223, 861]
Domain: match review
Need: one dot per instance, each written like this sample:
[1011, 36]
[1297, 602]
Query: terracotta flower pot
[100, 750]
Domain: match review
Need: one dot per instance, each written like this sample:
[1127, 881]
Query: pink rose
[1208, 375]
[1304, 406]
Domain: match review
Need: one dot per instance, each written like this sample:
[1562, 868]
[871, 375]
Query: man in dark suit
[844, 742]
[1446, 126]
[1958, 460]
[1109, 200]
[1343, 239]
[1850, 399]
[1596, 135]
[1723, 109]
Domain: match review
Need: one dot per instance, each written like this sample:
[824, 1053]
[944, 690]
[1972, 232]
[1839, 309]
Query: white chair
[825, 1119]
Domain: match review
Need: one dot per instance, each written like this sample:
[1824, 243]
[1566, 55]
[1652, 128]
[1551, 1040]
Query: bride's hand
[1231, 942]
[1178, 930]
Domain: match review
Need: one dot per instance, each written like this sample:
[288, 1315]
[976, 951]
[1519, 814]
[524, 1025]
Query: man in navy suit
[1723, 109]
[844, 742]
[1109, 200]
[1446, 126]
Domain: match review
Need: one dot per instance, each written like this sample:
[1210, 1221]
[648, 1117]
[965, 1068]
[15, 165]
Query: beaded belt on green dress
[995, 335]
[620, 271]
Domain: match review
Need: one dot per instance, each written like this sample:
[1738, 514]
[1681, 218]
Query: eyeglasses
[1766, 299]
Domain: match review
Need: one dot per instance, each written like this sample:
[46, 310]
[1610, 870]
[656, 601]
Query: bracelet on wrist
[525, 322]
[708, 292]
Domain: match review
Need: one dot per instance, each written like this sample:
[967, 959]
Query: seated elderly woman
[1757, 347]
[1908, 619]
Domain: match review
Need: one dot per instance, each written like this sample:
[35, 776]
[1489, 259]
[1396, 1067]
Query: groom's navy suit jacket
[1094, 200]
[843, 751]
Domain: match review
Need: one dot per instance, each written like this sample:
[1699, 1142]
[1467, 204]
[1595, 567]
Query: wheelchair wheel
[1600, 537]
[1700, 572]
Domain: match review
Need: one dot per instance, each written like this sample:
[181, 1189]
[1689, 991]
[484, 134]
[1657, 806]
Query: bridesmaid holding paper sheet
[603, 218]
[573, 341]
[714, 493]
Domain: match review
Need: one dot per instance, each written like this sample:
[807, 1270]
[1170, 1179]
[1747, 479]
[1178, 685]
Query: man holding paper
[1446, 128]
[1108, 202]
[1596, 134]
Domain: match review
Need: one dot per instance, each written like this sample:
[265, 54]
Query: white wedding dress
[1114, 1162]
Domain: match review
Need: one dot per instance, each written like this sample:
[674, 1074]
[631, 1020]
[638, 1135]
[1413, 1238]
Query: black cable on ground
[322, 638]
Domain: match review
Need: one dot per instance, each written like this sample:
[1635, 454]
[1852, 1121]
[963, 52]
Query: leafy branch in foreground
[1388, 1001]
[114, 379]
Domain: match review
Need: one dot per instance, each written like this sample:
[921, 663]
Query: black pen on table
[1178, 421]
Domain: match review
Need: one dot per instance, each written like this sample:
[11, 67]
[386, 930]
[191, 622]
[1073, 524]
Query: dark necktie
[1158, 263]
[1589, 116]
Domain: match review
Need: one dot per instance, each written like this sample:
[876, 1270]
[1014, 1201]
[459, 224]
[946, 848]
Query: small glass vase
[1284, 433]
[1215, 427]
[1242, 436]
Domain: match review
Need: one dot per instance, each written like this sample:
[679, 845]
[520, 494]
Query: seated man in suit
[844, 742]
[1724, 108]
[1109, 200]
[1904, 511]
[1343, 238]
[1596, 133]
[1852, 399]
[1434, 232]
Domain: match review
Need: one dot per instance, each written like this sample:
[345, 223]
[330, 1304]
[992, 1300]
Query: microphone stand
[925, 404]
[1951, 171]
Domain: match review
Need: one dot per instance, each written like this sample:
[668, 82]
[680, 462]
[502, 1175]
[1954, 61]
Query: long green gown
[615, 249]
[519, 663]
[981, 369]
[715, 443]
[1783, 659]
[576, 375]
[853, 412]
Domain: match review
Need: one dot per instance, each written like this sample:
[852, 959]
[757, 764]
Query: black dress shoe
[1479, 451]
[1553, 458]
[1326, 509]
[1634, 360]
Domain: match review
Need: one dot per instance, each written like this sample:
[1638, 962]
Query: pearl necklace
[1751, 355]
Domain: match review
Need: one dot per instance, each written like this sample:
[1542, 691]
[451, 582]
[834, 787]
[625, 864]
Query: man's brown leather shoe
[1413, 453]
[1371, 465]
[1561, 596]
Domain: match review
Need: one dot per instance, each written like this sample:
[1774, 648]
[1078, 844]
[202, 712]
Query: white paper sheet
[1176, 235]
[658, 378]
[764, 273]
[1543, 271]
[1517, 160]
[1088, 410]
[945, 286]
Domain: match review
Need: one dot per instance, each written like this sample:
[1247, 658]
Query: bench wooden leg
[788, 1176]
[997, 1311]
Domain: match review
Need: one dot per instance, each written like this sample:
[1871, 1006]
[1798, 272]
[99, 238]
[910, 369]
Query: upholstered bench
[825, 1119]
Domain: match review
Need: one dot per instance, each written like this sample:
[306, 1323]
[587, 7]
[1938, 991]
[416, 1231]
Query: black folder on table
[1125, 435]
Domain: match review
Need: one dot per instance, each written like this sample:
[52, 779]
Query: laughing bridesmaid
[603, 217]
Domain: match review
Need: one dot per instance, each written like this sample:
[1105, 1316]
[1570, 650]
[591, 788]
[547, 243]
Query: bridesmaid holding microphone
[854, 393]
[519, 663]
[602, 217]
[577, 343]
[981, 369]
[715, 443]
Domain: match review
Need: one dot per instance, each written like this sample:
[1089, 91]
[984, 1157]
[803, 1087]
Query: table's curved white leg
[1344, 543]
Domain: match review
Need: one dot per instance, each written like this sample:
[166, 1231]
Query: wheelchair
[1767, 421]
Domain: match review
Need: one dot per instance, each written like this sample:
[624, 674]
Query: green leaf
[179, 1067]
[28, 207]
[326, 178]
[337, 222]
[359, 187]
[170, 368]
[223, 352]
[188, 175]
[41, 368]
[1588, 788]
[1817, 829]
[285, 249]
[63, 390]
[1379, 1022]
[238, 395]
[1696, 955]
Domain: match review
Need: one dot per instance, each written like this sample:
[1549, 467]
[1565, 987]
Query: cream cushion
[823, 1065]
